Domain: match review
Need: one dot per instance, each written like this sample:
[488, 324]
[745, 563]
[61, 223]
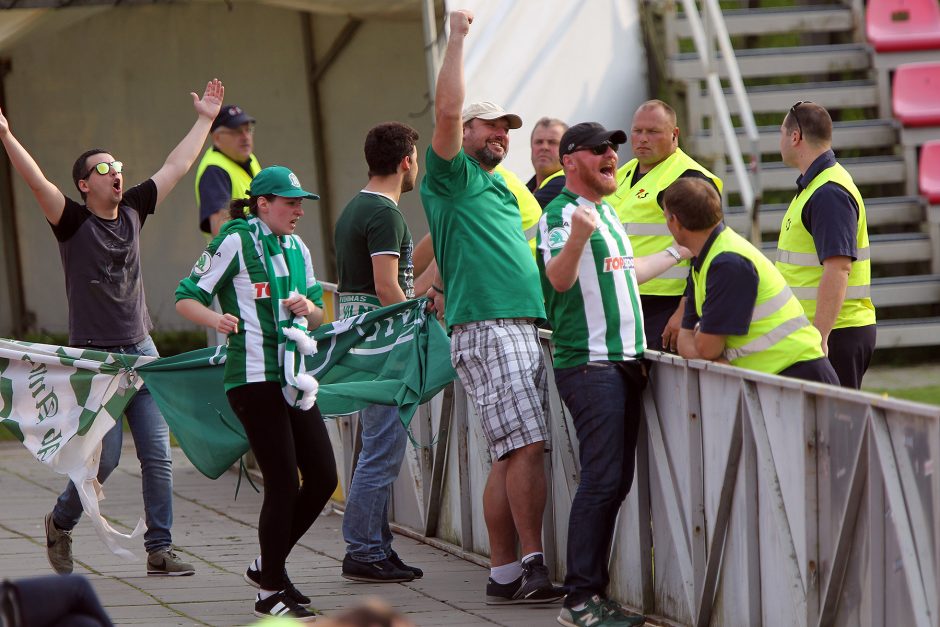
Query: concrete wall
[121, 80]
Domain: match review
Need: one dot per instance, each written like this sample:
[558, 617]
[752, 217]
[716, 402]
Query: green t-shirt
[485, 262]
[370, 225]
[599, 317]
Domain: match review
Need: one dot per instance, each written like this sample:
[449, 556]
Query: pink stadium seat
[903, 25]
[916, 94]
[930, 172]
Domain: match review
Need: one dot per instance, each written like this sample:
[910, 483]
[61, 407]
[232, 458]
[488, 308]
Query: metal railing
[758, 500]
[748, 177]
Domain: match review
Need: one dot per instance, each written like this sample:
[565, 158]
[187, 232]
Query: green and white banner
[59, 402]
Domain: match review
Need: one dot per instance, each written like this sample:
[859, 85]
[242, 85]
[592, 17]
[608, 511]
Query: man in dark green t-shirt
[373, 257]
[493, 302]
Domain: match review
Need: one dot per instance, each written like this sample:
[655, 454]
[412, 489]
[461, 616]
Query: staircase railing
[749, 177]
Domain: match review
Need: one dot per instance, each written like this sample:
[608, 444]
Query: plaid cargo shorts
[500, 365]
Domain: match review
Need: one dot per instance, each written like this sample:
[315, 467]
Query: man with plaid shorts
[493, 302]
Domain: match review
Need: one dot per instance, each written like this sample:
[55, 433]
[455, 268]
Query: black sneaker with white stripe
[279, 604]
[253, 576]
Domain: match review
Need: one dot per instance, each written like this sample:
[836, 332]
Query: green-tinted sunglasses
[104, 167]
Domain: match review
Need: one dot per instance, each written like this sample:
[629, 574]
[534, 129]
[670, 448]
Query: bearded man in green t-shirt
[493, 302]
[374, 261]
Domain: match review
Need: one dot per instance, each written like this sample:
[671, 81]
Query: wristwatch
[675, 253]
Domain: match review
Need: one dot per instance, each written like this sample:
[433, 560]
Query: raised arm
[179, 161]
[48, 195]
[449, 97]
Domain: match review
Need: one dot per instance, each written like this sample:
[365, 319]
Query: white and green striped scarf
[284, 264]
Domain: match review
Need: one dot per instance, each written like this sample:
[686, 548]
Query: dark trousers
[604, 400]
[284, 440]
[656, 313]
[850, 351]
[55, 601]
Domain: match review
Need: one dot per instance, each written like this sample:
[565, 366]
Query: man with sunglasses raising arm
[99, 243]
[823, 250]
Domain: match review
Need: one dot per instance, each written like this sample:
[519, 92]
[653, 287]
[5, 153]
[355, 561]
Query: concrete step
[777, 98]
[865, 170]
[885, 249]
[909, 332]
[880, 212]
[921, 289]
[768, 62]
[796, 19]
[855, 134]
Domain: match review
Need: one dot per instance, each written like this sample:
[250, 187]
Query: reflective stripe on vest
[779, 334]
[812, 259]
[633, 228]
[799, 263]
[767, 340]
[854, 292]
[642, 217]
[529, 208]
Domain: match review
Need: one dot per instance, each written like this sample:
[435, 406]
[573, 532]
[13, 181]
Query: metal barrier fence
[758, 500]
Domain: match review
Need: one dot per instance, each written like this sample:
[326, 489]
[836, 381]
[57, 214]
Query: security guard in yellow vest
[549, 177]
[226, 169]
[657, 162]
[739, 309]
[823, 251]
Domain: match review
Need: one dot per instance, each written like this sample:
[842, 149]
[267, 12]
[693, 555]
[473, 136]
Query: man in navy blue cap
[226, 169]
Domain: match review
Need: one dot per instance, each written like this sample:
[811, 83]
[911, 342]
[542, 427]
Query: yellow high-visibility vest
[779, 334]
[643, 219]
[799, 263]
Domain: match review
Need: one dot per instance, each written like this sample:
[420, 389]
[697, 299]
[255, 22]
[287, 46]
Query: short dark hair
[386, 145]
[79, 170]
[813, 119]
[694, 202]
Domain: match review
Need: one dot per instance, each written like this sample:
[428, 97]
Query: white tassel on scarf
[295, 373]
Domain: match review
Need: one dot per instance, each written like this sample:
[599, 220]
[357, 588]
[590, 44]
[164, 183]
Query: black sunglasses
[797, 117]
[104, 167]
[599, 149]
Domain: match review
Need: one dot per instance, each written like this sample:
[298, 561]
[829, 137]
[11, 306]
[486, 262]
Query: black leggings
[284, 440]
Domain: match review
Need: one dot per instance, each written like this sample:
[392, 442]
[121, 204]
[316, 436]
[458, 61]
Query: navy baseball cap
[231, 116]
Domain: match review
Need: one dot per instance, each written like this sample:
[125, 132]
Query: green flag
[60, 402]
[396, 355]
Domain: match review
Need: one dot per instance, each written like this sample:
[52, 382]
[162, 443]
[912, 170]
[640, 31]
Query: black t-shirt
[101, 260]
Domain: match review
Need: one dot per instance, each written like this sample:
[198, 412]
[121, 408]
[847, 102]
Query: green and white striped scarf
[286, 269]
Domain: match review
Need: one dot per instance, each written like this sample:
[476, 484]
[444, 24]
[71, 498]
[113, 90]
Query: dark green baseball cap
[279, 181]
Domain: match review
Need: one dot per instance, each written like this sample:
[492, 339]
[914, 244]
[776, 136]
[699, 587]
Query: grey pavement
[218, 533]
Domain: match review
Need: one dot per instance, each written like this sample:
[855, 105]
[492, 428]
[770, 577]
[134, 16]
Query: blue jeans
[152, 441]
[365, 523]
[604, 400]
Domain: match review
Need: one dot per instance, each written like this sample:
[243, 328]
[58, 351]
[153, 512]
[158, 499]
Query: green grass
[929, 394]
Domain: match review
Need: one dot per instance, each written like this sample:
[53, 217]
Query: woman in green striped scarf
[264, 280]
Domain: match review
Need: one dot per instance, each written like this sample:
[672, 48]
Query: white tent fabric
[577, 61]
